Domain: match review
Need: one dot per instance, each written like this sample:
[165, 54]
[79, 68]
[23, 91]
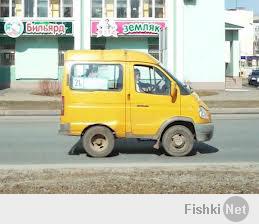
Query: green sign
[38, 28]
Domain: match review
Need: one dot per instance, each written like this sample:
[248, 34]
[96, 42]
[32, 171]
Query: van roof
[109, 55]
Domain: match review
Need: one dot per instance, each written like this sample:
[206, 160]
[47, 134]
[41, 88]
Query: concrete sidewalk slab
[251, 94]
[24, 95]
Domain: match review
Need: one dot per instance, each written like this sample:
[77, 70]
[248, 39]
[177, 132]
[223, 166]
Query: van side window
[151, 80]
[105, 77]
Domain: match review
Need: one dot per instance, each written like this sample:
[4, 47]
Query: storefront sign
[45, 28]
[111, 28]
[16, 28]
[13, 28]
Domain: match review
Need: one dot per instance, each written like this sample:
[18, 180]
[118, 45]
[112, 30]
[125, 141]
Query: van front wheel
[178, 141]
[98, 141]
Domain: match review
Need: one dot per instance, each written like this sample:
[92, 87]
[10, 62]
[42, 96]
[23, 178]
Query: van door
[150, 99]
[96, 95]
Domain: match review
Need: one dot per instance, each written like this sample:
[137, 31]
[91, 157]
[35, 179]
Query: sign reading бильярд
[10, 28]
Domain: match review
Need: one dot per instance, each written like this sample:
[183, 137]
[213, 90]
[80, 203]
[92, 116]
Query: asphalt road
[35, 140]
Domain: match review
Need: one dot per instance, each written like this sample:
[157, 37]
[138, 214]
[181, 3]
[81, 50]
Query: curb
[29, 112]
[57, 112]
[234, 110]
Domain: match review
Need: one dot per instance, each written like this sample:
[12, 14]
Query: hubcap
[178, 141]
[99, 142]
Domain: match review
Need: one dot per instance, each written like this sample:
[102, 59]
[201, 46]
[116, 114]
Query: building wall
[232, 67]
[139, 44]
[256, 37]
[204, 37]
[243, 18]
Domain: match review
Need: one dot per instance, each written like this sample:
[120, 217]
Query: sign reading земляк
[235, 209]
[114, 28]
[14, 28]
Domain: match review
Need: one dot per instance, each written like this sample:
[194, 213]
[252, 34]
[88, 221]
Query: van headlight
[203, 113]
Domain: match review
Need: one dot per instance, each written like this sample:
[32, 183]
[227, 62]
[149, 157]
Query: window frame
[103, 10]
[7, 5]
[48, 9]
[146, 17]
[35, 10]
[8, 48]
[51, 11]
[12, 6]
[114, 8]
[121, 69]
[116, 11]
[128, 10]
[140, 7]
[164, 9]
[62, 9]
[154, 68]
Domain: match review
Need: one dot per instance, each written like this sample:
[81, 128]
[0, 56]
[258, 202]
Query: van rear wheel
[178, 141]
[98, 141]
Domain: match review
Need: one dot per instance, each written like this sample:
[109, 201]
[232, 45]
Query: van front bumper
[204, 132]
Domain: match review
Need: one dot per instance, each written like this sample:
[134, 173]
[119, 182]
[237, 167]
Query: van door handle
[140, 105]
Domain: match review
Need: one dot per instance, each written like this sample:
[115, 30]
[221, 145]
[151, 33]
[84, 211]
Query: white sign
[90, 83]
[14, 28]
[107, 28]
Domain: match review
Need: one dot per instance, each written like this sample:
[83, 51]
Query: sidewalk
[24, 103]
[24, 95]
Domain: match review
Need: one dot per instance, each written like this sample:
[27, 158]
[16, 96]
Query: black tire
[98, 141]
[178, 141]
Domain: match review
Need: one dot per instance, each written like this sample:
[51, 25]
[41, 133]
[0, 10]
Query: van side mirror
[173, 91]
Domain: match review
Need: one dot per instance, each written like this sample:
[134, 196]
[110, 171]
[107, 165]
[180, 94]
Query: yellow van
[110, 94]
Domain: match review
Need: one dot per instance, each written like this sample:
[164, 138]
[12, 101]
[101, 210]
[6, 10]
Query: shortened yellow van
[109, 94]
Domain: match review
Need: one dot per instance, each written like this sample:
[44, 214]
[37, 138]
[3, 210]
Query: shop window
[7, 53]
[16, 7]
[250, 63]
[134, 8]
[97, 8]
[28, 8]
[109, 6]
[121, 8]
[42, 8]
[153, 47]
[55, 8]
[159, 8]
[4, 8]
[98, 43]
[67, 8]
[64, 44]
[147, 8]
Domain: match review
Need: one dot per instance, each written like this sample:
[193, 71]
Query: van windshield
[185, 90]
